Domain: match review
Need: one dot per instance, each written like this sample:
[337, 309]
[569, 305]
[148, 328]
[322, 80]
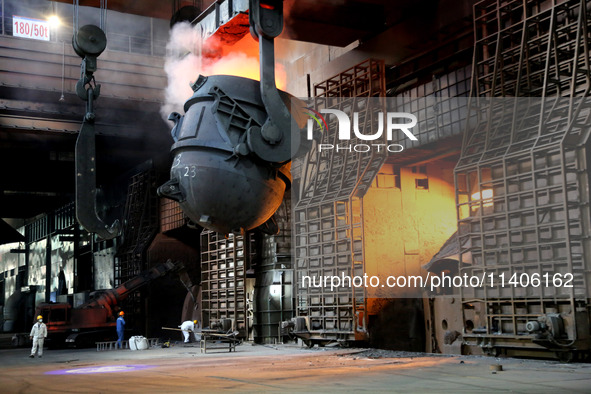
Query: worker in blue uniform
[120, 329]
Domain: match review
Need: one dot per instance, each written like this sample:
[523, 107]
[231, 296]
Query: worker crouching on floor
[38, 335]
[189, 327]
[120, 329]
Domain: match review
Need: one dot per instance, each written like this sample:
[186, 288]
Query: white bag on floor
[138, 342]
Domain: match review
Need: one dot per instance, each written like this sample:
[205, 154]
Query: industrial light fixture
[54, 21]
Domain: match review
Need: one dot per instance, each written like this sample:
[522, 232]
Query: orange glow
[242, 60]
[487, 195]
[190, 57]
[247, 45]
[397, 245]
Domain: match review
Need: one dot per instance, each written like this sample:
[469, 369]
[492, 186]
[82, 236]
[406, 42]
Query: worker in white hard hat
[187, 327]
[38, 335]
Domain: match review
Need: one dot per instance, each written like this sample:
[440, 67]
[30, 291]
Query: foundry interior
[144, 169]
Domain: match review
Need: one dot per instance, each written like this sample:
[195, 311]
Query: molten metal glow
[189, 57]
[242, 60]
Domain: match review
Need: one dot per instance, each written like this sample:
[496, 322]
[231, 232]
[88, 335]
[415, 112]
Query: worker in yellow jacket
[38, 335]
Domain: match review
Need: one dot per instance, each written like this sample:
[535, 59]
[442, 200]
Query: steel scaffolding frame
[328, 220]
[140, 227]
[224, 262]
[522, 182]
[171, 215]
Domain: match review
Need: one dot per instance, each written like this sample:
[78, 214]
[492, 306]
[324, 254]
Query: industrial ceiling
[328, 22]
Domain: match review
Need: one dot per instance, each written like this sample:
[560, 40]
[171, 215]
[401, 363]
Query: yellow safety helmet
[194, 321]
[39, 317]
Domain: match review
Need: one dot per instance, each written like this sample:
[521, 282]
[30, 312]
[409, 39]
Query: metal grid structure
[224, 262]
[140, 227]
[171, 215]
[328, 220]
[440, 107]
[58, 221]
[522, 188]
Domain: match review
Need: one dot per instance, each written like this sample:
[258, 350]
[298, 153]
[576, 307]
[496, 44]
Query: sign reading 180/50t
[36, 29]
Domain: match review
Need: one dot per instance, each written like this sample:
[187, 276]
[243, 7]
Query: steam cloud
[188, 57]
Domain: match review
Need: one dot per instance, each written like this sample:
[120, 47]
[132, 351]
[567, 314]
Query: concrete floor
[257, 368]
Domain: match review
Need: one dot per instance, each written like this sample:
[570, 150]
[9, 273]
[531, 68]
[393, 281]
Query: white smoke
[188, 57]
[182, 66]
